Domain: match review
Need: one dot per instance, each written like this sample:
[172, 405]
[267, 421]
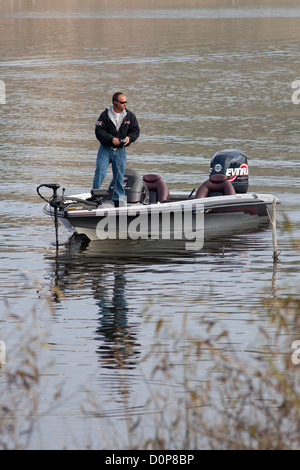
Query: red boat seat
[158, 189]
[217, 184]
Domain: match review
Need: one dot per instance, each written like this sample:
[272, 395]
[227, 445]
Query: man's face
[120, 105]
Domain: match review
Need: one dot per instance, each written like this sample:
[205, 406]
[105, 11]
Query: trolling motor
[54, 202]
[60, 202]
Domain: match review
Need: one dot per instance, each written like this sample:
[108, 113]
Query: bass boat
[221, 206]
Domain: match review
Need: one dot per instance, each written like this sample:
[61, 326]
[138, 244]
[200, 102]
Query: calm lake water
[200, 79]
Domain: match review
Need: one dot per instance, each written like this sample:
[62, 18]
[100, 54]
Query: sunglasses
[122, 102]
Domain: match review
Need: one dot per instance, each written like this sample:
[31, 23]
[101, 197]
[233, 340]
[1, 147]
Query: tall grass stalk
[243, 400]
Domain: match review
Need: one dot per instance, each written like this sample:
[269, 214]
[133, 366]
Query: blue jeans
[117, 158]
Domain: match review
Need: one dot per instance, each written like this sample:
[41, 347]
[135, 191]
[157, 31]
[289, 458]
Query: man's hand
[116, 141]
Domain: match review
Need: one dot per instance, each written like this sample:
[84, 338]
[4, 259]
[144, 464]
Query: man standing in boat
[116, 129]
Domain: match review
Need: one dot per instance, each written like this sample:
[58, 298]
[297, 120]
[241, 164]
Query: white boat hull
[191, 220]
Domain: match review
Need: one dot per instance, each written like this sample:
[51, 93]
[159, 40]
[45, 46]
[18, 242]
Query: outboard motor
[233, 163]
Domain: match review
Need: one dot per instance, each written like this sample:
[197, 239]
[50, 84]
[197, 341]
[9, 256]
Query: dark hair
[116, 96]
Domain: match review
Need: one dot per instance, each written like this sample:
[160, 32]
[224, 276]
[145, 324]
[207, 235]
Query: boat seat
[216, 185]
[158, 189]
[133, 186]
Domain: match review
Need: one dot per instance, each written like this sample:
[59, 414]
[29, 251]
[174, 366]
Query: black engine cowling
[133, 186]
[233, 163]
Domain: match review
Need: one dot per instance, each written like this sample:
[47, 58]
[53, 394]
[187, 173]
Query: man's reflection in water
[118, 348]
[79, 266]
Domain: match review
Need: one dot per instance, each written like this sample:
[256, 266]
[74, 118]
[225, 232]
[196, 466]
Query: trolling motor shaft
[54, 202]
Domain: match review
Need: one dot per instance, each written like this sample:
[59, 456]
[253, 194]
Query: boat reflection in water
[99, 270]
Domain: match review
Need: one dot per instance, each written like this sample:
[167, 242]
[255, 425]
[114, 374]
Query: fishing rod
[123, 141]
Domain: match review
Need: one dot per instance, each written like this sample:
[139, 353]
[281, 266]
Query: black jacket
[105, 129]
